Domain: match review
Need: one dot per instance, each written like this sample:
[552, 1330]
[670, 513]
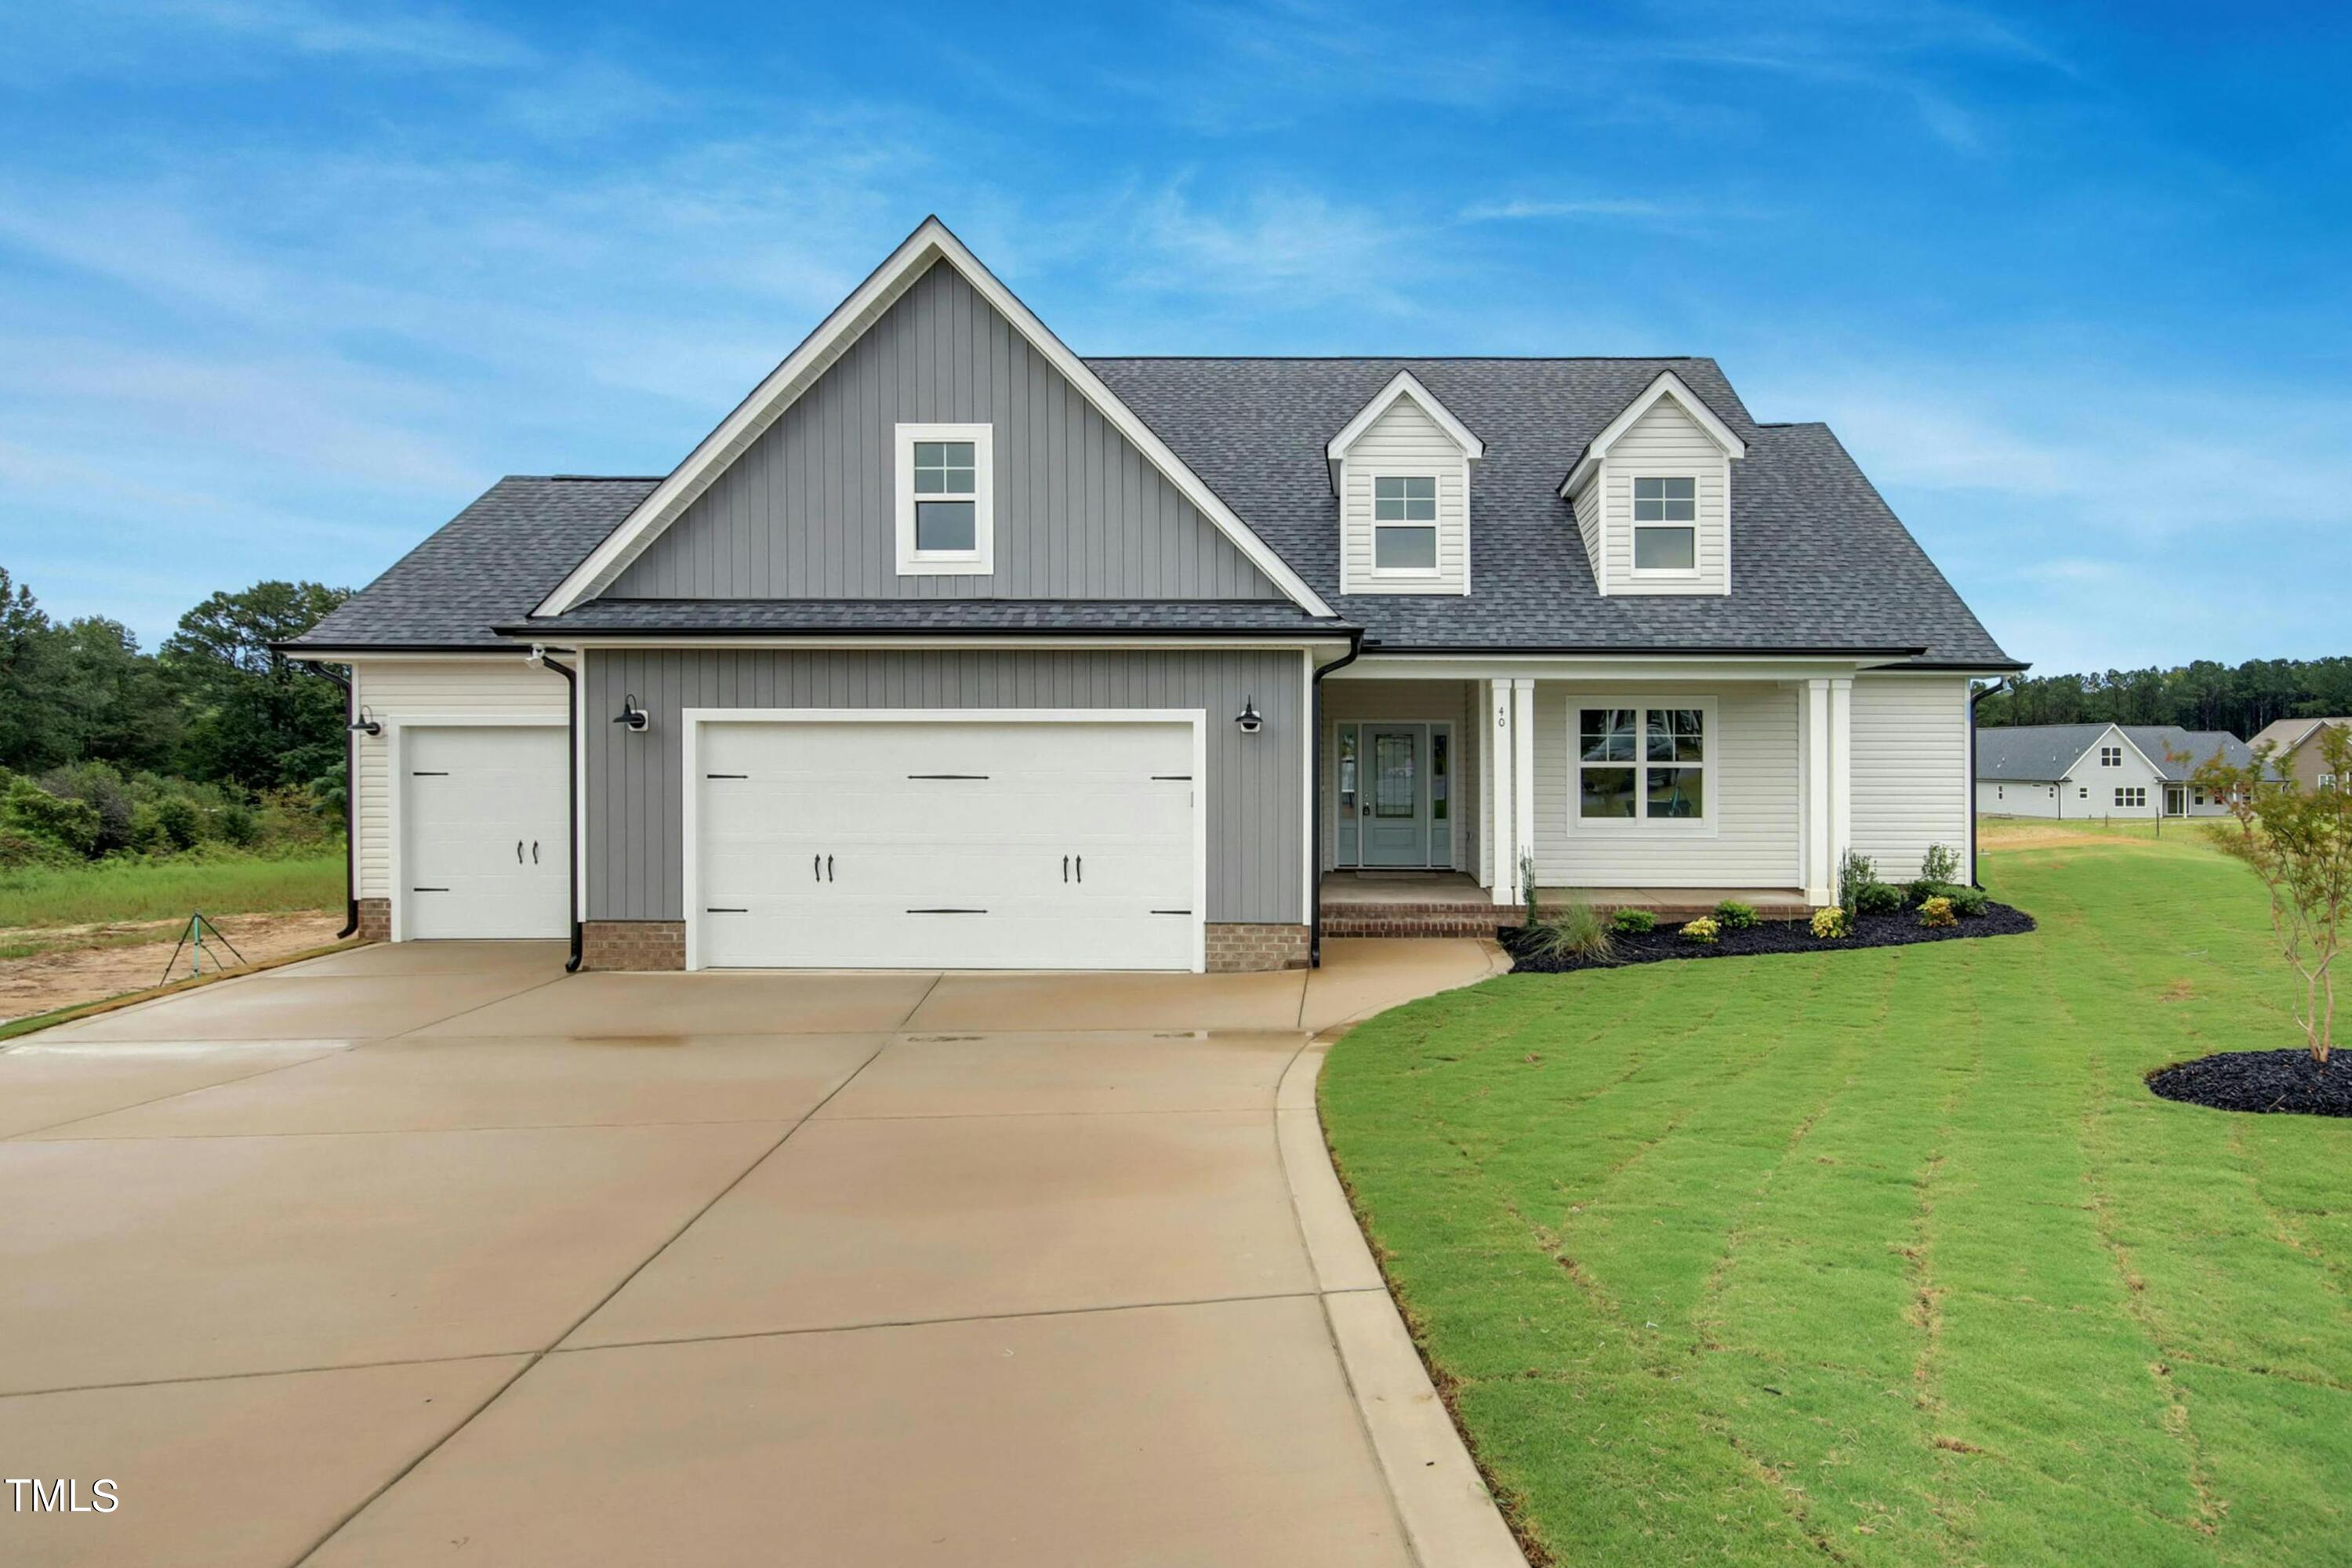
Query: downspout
[350, 805]
[1315, 796]
[1974, 698]
[571, 793]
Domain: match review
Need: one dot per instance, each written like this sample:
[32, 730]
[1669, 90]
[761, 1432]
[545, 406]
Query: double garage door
[1014, 843]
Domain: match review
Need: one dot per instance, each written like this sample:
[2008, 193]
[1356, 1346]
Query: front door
[1393, 809]
[2176, 800]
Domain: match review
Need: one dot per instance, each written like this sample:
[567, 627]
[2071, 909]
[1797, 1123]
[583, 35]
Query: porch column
[1523, 771]
[1503, 869]
[1813, 722]
[1840, 771]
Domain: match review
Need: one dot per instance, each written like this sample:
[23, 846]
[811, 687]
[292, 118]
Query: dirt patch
[2052, 836]
[89, 963]
[2179, 990]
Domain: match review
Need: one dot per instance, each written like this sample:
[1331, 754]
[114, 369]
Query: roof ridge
[1426, 359]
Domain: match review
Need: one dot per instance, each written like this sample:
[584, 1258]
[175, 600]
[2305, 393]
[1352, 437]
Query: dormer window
[1404, 523]
[1665, 525]
[946, 515]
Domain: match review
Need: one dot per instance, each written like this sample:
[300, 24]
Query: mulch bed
[2285, 1081]
[1768, 936]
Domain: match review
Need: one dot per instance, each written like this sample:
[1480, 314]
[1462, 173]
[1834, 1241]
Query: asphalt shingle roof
[1819, 562]
[2040, 753]
[491, 563]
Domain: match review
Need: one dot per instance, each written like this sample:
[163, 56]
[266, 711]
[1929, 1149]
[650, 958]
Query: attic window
[946, 521]
[1666, 525]
[2111, 756]
[1404, 523]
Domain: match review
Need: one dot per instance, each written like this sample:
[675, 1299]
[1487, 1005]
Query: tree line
[106, 746]
[2202, 695]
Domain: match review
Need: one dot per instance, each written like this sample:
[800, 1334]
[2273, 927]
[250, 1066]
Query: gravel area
[1768, 936]
[2287, 1082]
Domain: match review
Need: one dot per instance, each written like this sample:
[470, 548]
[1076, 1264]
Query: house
[949, 647]
[2099, 770]
[2295, 750]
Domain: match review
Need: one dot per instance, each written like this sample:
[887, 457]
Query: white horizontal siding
[1404, 440]
[1404, 702]
[2009, 797]
[1586, 504]
[1667, 443]
[1755, 788]
[411, 691]
[1910, 769]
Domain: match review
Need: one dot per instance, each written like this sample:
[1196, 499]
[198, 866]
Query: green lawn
[159, 890]
[1886, 1256]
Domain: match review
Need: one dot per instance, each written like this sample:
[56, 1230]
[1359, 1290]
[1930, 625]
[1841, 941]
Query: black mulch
[1768, 936]
[2287, 1081]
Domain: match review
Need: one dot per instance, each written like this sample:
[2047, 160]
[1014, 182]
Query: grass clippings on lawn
[1887, 1257]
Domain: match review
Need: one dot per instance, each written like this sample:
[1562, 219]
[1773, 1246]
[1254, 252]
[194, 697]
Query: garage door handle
[1065, 867]
[518, 851]
[828, 867]
[534, 851]
[816, 867]
[1082, 868]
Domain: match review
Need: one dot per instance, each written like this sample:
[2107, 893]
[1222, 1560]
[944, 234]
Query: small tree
[2299, 842]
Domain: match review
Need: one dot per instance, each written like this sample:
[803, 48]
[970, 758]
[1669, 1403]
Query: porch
[1453, 903]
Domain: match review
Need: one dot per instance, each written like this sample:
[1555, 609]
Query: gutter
[1314, 798]
[1974, 698]
[570, 795]
[350, 803]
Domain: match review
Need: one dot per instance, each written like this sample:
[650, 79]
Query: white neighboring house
[2076, 771]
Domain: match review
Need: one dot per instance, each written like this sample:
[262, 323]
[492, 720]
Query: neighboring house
[2099, 770]
[950, 647]
[2296, 753]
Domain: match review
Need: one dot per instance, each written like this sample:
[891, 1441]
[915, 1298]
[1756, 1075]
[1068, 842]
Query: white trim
[784, 385]
[579, 780]
[980, 561]
[1405, 384]
[1669, 829]
[691, 721]
[1431, 522]
[836, 642]
[397, 788]
[1504, 883]
[1840, 769]
[1640, 573]
[1523, 769]
[1667, 384]
[1627, 667]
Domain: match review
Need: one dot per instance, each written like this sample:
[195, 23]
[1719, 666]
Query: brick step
[1448, 925]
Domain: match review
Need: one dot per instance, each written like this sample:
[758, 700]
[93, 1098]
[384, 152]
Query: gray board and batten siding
[1256, 826]
[809, 510]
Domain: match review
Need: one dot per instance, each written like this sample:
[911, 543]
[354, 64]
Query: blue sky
[284, 283]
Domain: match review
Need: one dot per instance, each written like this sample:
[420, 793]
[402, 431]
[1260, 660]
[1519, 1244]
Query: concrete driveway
[426, 1253]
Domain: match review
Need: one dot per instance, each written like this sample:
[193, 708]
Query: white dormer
[1401, 471]
[1653, 495]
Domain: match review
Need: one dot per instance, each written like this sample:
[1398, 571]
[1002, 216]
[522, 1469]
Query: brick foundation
[375, 920]
[633, 945]
[1236, 948]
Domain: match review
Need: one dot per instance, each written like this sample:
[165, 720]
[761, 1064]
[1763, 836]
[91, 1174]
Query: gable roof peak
[1404, 385]
[931, 244]
[1664, 385]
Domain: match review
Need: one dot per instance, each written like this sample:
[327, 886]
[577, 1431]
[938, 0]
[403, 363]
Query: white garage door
[945, 845]
[482, 832]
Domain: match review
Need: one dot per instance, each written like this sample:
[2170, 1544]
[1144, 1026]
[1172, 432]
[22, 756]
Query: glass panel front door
[1394, 812]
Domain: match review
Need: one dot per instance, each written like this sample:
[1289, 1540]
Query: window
[2131, 796]
[2200, 795]
[1641, 764]
[2084, 792]
[2111, 756]
[946, 503]
[1441, 745]
[2327, 781]
[1666, 525]
[1404, 523]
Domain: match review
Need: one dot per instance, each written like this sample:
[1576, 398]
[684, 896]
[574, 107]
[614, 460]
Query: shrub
[1632, 922]
[238, 825]
[1876, 899]
[33, 811]
[1733, 915]
[1855, 872]
[1528, 886]
[1831, 923]
[1703, 929]
[1939, 864]
[1576, 931]
[1938, 911]
[1964, 899]
[177, 822]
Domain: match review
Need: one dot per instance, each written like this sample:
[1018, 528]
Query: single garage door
[1003, 844]
[482, 832]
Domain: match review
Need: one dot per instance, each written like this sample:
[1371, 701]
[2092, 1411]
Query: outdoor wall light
[636, 718]
[367, 723]
[1250, 720]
